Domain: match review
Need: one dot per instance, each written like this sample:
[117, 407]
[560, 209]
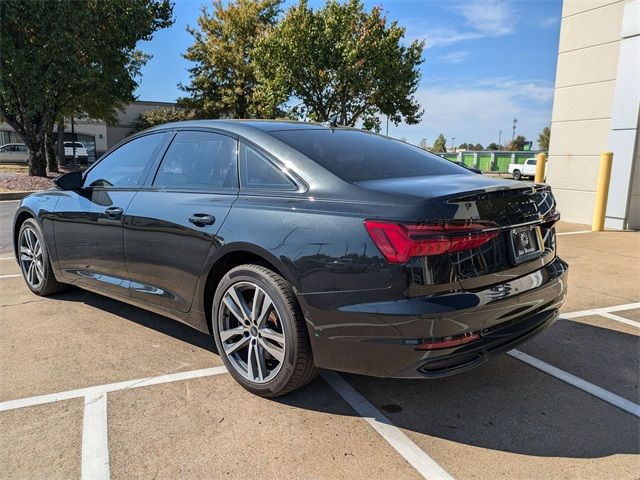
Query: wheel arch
[230, 256]
[22, 215]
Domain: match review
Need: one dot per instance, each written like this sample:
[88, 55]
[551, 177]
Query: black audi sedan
[300, 246]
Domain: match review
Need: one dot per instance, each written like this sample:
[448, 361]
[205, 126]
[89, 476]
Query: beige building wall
[127, 118]
[586, 91]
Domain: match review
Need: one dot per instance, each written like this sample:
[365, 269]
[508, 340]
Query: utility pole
[513, 135]
[453, 143]
[500, 138]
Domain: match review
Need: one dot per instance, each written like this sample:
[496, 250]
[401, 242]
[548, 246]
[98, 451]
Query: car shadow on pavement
[509, 406]
[159, 323]
[503, 405]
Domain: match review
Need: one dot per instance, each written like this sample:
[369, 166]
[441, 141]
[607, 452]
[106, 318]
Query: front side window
[256, 171]
[200, 161]
[126, 166]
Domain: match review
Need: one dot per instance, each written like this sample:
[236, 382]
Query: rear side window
[200, 161]
[256, 171]
[357, 156]
[127, 165]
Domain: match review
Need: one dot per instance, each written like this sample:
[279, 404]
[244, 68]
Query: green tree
[440, 145]
[56, 61]
[543, 139]
[494, 146]
[341, 62]
[478, 147]
[517, 144]
[463, 146]
[223, 77]
[159, 116]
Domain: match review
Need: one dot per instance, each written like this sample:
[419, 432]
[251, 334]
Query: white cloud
[494, 17]
[454, 57]
[441, 37]
[480, 19]
[476, 112]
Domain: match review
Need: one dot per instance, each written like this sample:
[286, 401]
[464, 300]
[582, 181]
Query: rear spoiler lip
[471, 195]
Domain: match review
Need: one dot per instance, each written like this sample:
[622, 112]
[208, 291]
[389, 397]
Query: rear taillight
[398, 242]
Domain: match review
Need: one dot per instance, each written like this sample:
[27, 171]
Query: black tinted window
[125, 166]
[199, 160]
[258, 172]
[357, 156]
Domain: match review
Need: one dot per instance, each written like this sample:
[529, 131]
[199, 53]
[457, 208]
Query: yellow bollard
[541, 163]
[602, 191]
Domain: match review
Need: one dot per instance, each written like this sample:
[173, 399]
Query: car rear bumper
[380, 339]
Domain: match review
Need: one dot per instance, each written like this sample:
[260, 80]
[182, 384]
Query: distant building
[97, 135]
[596, 109]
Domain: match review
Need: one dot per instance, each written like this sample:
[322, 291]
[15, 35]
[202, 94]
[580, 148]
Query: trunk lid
[522, 212]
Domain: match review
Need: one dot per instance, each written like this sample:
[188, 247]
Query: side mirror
[69, 181]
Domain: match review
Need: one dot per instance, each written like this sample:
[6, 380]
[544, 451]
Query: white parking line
[617, 318]
[109, 387]
[7, 258]
[601, 393]
[95, 441]
[600, 311]
[413, 454]
[13, 275]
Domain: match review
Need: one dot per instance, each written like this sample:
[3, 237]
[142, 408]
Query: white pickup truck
[526, 169]
[82, 155]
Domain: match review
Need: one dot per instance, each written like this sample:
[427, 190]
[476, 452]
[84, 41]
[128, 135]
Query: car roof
[240, 127]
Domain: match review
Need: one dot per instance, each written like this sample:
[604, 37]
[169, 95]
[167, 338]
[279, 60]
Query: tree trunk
[37, 156]
[52, 160]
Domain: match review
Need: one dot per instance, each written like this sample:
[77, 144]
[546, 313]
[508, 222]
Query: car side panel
[165, 253]
[89, 242]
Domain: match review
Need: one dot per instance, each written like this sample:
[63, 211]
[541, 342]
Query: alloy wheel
[251, 332]
[31, 260]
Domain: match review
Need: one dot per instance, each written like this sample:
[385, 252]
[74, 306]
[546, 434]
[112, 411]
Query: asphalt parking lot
[92, 388]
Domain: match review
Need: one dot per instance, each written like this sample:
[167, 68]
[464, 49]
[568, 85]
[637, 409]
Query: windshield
[357, 156]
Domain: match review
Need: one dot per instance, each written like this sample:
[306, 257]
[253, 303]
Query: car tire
[266, 349]
[35, 264]
[517, 175]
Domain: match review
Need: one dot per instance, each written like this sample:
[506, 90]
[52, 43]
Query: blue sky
[486, 62]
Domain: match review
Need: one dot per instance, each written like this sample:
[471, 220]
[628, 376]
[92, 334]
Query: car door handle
[201, 219]
[113, 212]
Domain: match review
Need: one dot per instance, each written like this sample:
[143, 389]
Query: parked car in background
[299, 246]
[526, 169]
[14, 153]
[82, 156]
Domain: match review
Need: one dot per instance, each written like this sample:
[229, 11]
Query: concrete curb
[14, 195]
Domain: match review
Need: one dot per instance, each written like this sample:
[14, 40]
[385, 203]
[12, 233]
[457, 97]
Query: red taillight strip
[452, 342]
[398, 242]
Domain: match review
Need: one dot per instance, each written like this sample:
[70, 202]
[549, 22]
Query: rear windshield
[357, 156]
